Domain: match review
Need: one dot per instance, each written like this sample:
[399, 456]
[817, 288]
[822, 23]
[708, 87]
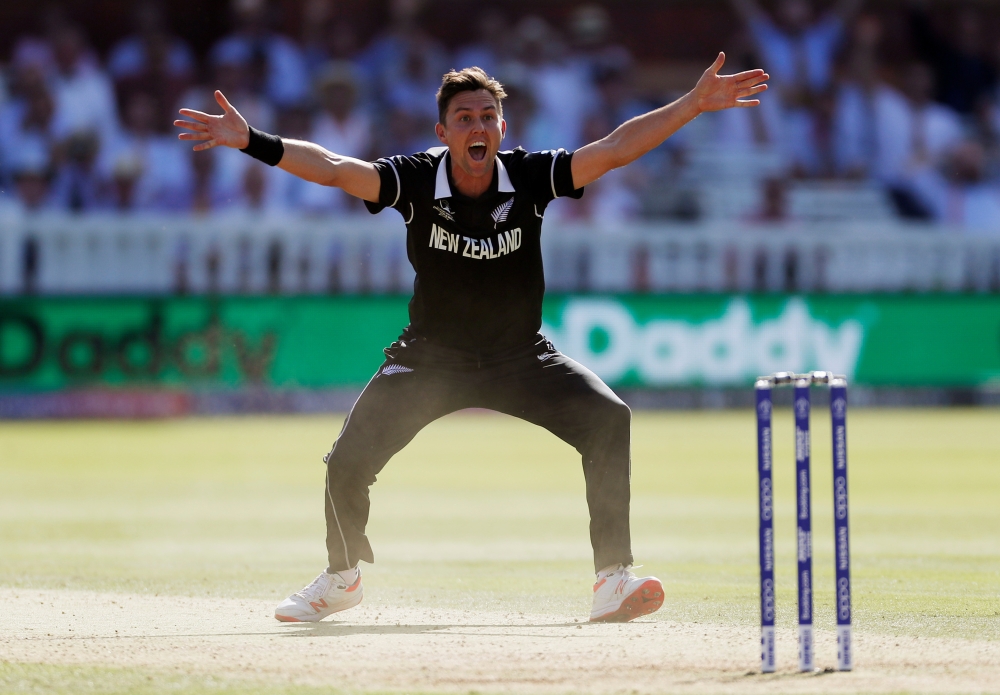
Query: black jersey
[479, 282]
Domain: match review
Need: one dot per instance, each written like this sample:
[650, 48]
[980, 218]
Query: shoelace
[622, 569]
[317, 588]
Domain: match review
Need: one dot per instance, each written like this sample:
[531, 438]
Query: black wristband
[265, 147]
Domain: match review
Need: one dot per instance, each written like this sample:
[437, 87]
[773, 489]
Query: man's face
[472, 131]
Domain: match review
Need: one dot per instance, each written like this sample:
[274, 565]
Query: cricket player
[473, 217]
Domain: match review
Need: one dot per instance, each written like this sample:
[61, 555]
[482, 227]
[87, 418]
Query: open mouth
[477, 150]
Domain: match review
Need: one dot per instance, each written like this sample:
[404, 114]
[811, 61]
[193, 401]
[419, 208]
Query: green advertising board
[631, 341]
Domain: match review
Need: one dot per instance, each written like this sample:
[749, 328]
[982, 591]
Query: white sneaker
[620, 596]
[328, 593]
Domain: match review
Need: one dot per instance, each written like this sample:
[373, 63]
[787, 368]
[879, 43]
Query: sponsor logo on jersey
[444, 209]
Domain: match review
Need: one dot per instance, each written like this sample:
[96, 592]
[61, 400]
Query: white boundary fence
[364, 254]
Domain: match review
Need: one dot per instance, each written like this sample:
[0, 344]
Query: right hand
[230, 129]
[715, 92]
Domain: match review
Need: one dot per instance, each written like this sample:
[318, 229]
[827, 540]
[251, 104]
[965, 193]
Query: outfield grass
[485, 511]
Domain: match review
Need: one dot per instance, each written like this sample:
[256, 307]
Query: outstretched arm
[303, 159]
[638, 136]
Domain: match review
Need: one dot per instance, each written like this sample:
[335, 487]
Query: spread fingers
[196, 115]
[190, 125]
[750, 81]
[751, 91]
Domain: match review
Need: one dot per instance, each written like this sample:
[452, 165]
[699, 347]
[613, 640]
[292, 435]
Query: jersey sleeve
[390, 192]
[546, 175]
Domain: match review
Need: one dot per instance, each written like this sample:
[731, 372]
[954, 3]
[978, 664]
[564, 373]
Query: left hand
[715, 92]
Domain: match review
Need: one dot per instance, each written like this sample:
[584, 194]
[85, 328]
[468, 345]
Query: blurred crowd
[86, 132]
[919, 119]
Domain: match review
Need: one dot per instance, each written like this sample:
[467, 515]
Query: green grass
[478, 504]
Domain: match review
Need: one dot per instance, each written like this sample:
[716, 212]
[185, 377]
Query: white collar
[443, 190]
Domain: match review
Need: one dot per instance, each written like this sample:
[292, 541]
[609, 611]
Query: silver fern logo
[500, 214]
[391, 369]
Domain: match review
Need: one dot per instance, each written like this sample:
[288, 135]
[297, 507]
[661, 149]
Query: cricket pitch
[148, 558]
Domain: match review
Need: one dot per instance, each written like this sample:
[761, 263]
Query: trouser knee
[614, 418]
[608, 425]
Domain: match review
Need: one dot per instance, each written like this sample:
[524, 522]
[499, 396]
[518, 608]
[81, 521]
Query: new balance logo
[319, 605]
[500, 214]
[391, 369]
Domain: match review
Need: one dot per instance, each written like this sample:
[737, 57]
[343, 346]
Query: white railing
[357, 254]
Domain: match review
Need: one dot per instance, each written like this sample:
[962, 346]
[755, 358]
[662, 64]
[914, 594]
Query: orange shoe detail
[354, 586]
[320, 605]
[643, 601]
[599, 584]
[287, 619]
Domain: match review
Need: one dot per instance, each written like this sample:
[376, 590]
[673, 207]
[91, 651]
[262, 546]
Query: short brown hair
[467, 80]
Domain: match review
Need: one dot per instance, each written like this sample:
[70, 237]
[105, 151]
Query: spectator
[146, 170]
[27, 119]
[969, 199]
[491, 48]
[561, 90]
[84, 96]
[799, 55]
[340, 126]
[77, 184]
[406, 131]
[237, 74]
[402, 55]
[31, 171]
[153, 62]
[913, 135]
[773, 207]
[317, 21]
[327, 37]
[240, 184]
[592, 48]
[412, 82]
[151, 49]
[611, 201]
[84, 119]
[799, 52]
[526, 126]
[747, 130]
[233, 73]
[278, 60]
[202, 176]
[615, 98]
[988, 121]
[857, 97]
[282, 192]
[963, 73]
[254, 189]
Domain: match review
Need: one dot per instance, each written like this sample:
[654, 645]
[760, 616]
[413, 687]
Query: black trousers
[419, 382]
